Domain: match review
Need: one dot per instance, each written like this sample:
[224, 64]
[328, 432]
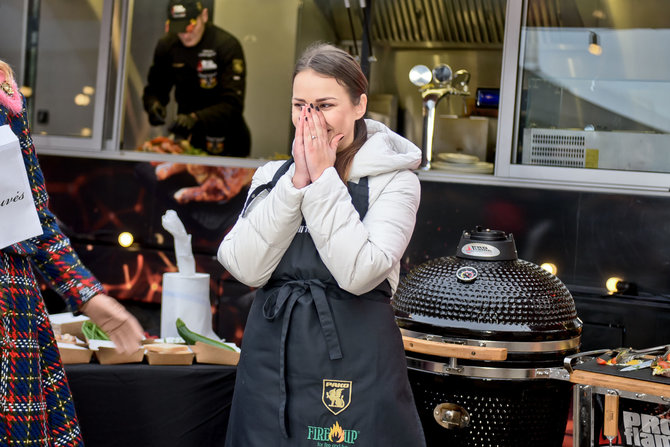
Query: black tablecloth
[146, 405]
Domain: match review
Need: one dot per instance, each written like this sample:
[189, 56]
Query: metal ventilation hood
[421, 23]
[480, 23]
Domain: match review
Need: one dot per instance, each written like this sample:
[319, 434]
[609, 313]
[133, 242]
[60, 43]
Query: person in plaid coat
[35, 400]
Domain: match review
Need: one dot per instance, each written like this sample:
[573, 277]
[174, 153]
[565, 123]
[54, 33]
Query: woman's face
[333, 100]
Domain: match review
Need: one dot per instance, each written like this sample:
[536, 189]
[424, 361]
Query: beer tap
[434, 85]
[460, 83]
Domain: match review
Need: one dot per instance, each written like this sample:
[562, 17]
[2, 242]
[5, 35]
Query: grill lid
[486, 292]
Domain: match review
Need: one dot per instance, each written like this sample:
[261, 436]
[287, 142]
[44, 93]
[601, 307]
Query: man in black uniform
[206, 66]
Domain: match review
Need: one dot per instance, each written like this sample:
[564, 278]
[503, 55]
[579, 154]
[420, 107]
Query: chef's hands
[313, 152]
[123, 328]
[157, 113]
[183, 124]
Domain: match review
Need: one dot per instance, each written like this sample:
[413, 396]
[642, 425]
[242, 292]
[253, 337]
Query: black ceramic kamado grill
[485, 336]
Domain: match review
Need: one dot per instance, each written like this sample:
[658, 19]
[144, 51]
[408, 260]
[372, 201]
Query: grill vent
[562, 150]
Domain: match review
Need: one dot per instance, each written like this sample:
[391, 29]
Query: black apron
[319, 366]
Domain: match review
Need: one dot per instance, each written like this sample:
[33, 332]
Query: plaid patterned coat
[37, 407]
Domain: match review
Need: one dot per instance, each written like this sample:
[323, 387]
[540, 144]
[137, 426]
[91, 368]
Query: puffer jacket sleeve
[361, 254]
[254, 246]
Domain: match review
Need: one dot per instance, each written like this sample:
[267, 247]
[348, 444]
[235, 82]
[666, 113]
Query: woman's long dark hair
[333, 62]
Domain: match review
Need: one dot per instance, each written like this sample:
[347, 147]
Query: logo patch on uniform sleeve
[336, 395]
[238, 66]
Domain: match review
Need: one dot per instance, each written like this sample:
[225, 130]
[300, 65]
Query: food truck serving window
[588, 92]
[584, 84]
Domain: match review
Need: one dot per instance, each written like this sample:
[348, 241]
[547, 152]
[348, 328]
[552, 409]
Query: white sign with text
[18, 216]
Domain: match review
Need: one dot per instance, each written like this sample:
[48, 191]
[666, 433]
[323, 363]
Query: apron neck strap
[267, 186]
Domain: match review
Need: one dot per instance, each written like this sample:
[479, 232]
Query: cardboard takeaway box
[72, 354]
[168, 354]
[106, 353]
[109, 356]
[157, 358]
[68, 323]
[206, 353]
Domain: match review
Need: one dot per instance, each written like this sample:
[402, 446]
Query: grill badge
[336, 395]
[480, 250]
[467, 274]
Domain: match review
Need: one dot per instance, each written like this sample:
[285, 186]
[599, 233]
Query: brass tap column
[434, 86]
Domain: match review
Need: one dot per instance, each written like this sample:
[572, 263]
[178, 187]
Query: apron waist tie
[283, 299]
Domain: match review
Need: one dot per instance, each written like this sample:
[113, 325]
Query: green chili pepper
[92, 331]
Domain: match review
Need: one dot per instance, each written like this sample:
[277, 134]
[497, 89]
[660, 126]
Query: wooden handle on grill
[453, 350]
[611, 428]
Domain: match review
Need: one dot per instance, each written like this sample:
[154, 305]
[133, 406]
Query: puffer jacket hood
[384, 151]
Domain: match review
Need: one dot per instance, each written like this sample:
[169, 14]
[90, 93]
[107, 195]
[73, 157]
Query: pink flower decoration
[10, 97]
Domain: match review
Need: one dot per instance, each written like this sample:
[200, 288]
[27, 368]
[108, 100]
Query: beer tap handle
[420, 75]
[442, 73]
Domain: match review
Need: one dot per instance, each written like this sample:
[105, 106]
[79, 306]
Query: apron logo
[336, 395]
[335, 434]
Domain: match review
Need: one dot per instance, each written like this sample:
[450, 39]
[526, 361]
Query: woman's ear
[362, 106]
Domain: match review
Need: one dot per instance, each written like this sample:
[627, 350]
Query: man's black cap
[182, 13]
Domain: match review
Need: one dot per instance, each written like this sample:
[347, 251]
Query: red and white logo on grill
[481, 250]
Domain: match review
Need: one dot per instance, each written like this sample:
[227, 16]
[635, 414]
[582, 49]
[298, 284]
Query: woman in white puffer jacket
[322, 236]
